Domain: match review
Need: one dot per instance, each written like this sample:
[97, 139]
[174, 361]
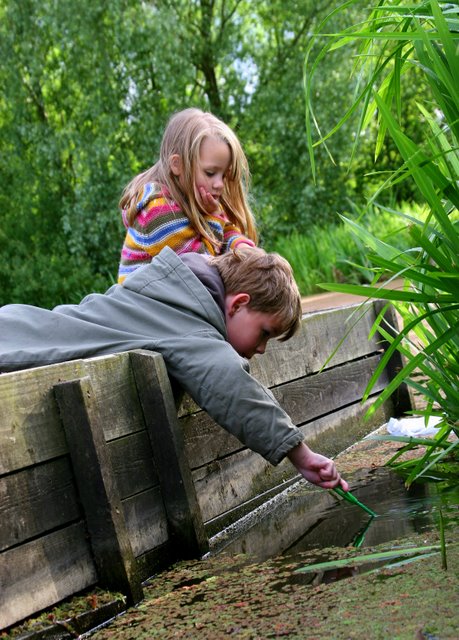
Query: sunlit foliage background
[87, 86]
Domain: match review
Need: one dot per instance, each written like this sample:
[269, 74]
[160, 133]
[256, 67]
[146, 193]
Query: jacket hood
[178, 274]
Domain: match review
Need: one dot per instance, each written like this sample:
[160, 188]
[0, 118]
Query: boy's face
[248, 330]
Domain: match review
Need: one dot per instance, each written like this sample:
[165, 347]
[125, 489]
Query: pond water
[300, 519]
[298, 526]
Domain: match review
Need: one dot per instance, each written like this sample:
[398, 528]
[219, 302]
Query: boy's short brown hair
[268, 279]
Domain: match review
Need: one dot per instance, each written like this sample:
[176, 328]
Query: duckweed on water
[225, 597]
[233, 596]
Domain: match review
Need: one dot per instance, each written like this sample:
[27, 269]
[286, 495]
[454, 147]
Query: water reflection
[300, 519]
[360, 537]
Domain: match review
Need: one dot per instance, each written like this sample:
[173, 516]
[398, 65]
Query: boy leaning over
[206, 317]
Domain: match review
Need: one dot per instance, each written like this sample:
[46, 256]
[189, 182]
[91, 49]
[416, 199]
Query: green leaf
[385, 294]
[415, 441]
[367, 558]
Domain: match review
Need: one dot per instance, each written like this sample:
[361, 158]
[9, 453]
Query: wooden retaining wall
[105, 476]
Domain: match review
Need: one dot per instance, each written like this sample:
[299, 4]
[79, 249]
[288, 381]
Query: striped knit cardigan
[160, 222]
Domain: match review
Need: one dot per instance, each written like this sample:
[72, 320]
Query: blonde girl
[194, 199]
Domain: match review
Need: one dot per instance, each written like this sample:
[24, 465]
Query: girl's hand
[209, 203]
[316, 468]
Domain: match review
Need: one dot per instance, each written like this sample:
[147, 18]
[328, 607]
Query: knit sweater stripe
[158, 207]
[160, 222]
[147, 237]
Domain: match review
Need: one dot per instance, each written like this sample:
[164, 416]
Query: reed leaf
[383, 293]
[427, 462]
[366, 559]
[396, 37]
[411, 440]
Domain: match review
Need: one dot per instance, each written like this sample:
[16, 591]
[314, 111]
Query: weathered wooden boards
[59, 531]
[325, 404]
[101, 480]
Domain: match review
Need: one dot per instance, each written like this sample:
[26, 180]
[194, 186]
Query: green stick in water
[360, 537]
[347, 495]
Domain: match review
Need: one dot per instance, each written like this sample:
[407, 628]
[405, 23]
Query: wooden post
[401, 397]
[115, 561]
[177, 487]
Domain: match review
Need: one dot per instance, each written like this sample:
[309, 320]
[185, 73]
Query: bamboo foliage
[395, 38]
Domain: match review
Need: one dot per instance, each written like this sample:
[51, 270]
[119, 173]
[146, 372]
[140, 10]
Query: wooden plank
[156, 560]
[226, 484]
[133, 465]
[36, 500]
[303, 399]
[146, 521]
[44, 571]
[155, 394]
[323, 393]
[96, 487]
[115, 393]
[30, 428]
[334, 433]
[205, 440]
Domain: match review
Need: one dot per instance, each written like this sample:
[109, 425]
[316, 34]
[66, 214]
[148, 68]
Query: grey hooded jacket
[163, 307]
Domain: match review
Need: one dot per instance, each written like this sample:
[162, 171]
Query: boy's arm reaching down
[210, 370]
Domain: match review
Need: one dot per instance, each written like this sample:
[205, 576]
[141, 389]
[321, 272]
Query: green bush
[333, 254]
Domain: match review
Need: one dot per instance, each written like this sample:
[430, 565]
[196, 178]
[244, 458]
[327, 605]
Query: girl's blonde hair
[268, 279]
[183, 136]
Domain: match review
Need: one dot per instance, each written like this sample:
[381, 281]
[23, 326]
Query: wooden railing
[106, 476]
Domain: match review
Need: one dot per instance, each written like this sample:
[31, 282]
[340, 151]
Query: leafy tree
[59, 122]
[86, 89]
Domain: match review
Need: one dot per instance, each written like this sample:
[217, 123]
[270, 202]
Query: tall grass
[333, 254]
[395, 36]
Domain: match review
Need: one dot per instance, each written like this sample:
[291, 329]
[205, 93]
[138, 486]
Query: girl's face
[211, 169]
[209, 174]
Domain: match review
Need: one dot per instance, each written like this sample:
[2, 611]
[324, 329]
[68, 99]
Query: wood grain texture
[146, 521]
[115, 394]
[133, 464]
[37, 500]
[30, 427]
[44, 571]
[184, 518]
[97, 488]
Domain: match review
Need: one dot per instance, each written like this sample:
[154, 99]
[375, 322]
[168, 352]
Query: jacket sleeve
[216, 377]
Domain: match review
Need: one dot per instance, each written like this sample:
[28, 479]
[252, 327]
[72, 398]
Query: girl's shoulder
[151, 191]
[154, 208]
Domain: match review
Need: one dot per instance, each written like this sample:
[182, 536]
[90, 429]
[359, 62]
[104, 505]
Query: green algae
[70, 618]
[230, 597]
[235, 597]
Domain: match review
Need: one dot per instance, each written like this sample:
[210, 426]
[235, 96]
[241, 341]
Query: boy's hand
[316, 468]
